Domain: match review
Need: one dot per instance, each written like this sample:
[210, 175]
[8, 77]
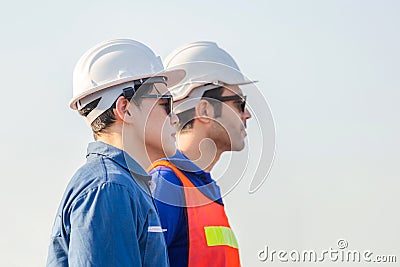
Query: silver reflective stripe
[156, 229]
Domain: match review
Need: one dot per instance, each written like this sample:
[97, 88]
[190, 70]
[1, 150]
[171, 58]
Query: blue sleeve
[104, 228]
[170, 202]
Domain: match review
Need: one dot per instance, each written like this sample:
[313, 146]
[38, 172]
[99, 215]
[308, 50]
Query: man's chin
[238, 147]
[170, 152]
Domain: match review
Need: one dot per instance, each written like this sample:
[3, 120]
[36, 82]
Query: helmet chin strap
[107, 99]
[191, 100]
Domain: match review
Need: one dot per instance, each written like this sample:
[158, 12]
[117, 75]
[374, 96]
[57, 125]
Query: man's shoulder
[163, 174]
[97, 172]
[169, 188]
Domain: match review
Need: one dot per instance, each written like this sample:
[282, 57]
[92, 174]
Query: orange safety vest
[211, 240]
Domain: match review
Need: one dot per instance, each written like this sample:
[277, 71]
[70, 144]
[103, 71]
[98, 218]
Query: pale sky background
[328, 69]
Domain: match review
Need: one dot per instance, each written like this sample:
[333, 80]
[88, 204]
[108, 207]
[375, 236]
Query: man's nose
[246, 114]
[174, 119]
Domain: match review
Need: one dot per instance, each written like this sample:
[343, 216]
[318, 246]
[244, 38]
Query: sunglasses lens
[169, 106]
[243, 106]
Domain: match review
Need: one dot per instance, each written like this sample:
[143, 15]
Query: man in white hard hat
[107, 216]
[212, 119]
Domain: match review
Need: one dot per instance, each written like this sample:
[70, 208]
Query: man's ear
[204, 111]
[122, 112]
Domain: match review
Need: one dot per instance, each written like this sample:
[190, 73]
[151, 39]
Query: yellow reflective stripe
[219, 236]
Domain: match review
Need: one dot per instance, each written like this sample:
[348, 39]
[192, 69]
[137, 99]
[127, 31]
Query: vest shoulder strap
[164, 163]
[193, 196]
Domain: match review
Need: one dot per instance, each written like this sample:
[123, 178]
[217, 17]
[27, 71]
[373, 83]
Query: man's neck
[200, 150]
[136, 150]
[112, 139]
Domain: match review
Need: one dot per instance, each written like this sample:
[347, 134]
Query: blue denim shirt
[107, 216]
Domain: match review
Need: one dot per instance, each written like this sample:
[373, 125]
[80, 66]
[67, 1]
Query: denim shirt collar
[184, 163]
[118, 156]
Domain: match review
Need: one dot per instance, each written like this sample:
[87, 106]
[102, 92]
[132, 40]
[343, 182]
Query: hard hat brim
[200, 73]
[196, 84]
[173, 77]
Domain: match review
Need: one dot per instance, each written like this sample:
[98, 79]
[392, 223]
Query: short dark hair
[107, 118]
[186, 118]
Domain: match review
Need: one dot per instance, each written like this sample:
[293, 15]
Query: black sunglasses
[238, 98]
[130, 91]
[168, 106]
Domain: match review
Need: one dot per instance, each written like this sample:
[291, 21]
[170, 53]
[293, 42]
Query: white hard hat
[205, 64]
[111, 65]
